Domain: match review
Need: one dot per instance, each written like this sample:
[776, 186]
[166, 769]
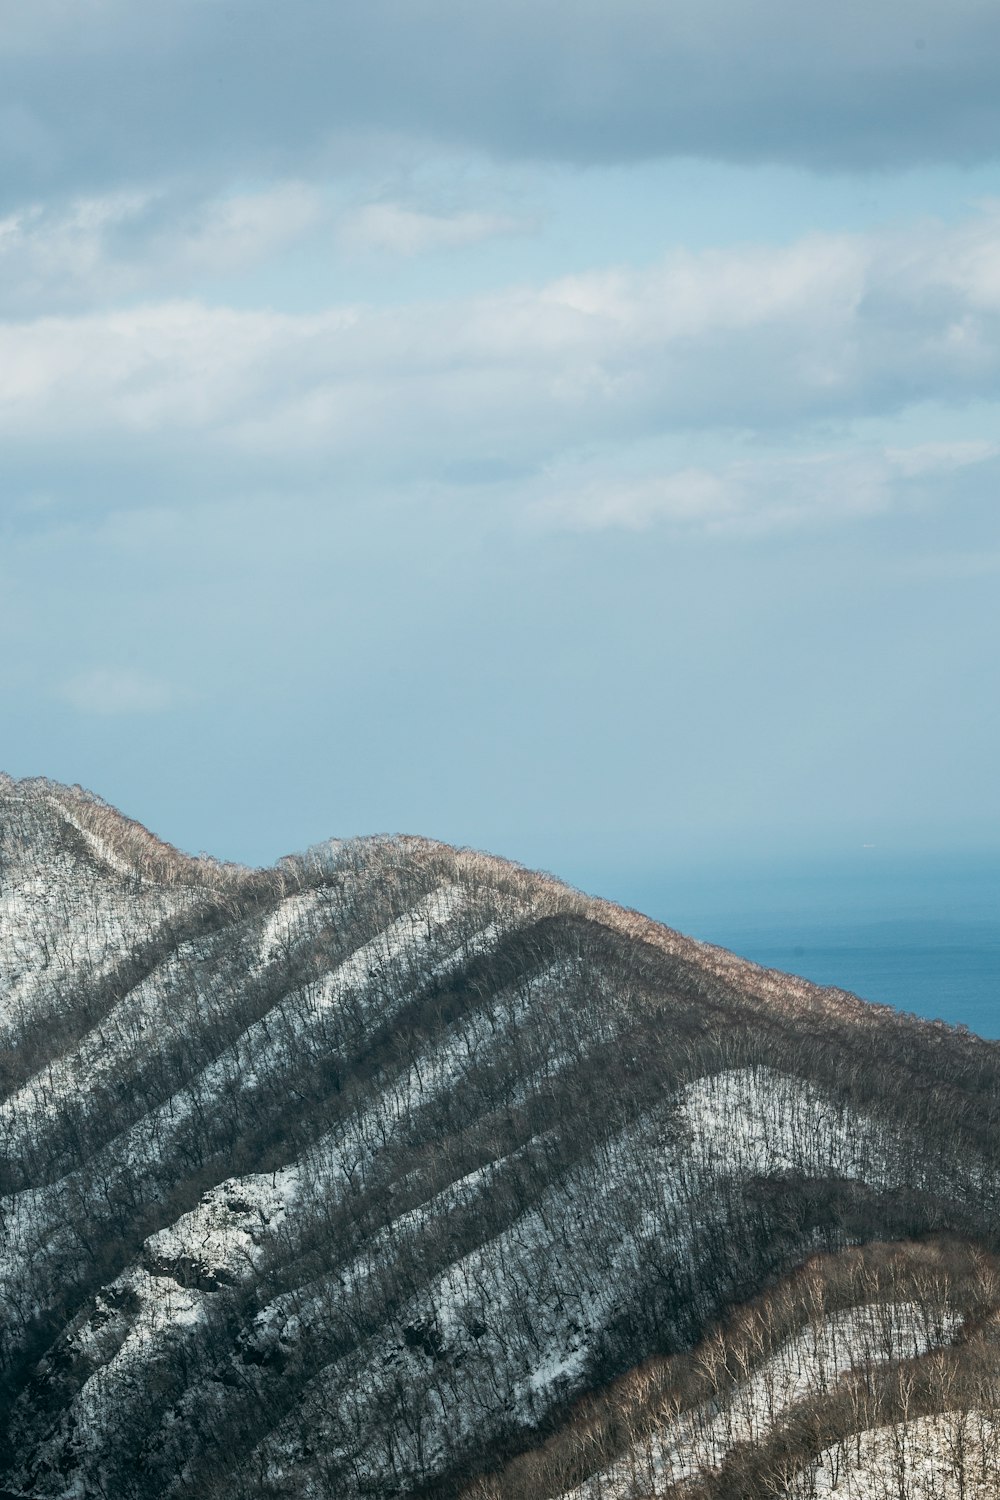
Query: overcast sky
[565, 427]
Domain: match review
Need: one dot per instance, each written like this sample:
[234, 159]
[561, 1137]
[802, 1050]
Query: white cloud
[830, 327]
[241, 229]
[757, 495]
[115, 690]
[939, 457]
[688, 497]
[107, 248]
[398, 230]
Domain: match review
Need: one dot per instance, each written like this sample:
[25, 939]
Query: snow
[124, 1347]
[35, 1236]
[950, 1455]
[100, 848]
[756, 1121]
[472, 1309]
[811, 1361]
[288, 921]
[146, 1018]
[142, 1318]
[224, 1236]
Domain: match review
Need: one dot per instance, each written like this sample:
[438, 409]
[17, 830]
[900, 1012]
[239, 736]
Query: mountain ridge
[353, 1175]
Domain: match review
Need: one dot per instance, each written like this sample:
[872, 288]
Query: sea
[920, 933]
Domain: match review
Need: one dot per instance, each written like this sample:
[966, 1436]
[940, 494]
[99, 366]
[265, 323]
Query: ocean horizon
[947, 972]
[919, 933]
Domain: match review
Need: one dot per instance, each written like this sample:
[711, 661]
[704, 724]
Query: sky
[565, 427]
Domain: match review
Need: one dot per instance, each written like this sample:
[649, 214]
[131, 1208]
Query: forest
[398, 1169]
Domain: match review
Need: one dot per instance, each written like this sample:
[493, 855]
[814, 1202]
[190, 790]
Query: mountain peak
[360, 1174]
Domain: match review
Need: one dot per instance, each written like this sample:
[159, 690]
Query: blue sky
[566, 428]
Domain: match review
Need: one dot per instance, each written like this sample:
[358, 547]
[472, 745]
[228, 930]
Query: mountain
[398, 1169]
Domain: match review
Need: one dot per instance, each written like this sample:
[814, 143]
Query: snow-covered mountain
[398, 1169]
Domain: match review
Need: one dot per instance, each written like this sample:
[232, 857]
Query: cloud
[114, 690]
[828, 328]
[118, 91]
[405, 231]
[754, 496]
[97, 249]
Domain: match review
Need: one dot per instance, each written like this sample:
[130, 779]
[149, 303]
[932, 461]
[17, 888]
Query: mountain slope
[353, 1176]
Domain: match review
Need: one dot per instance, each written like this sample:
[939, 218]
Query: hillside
[399, 1169]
